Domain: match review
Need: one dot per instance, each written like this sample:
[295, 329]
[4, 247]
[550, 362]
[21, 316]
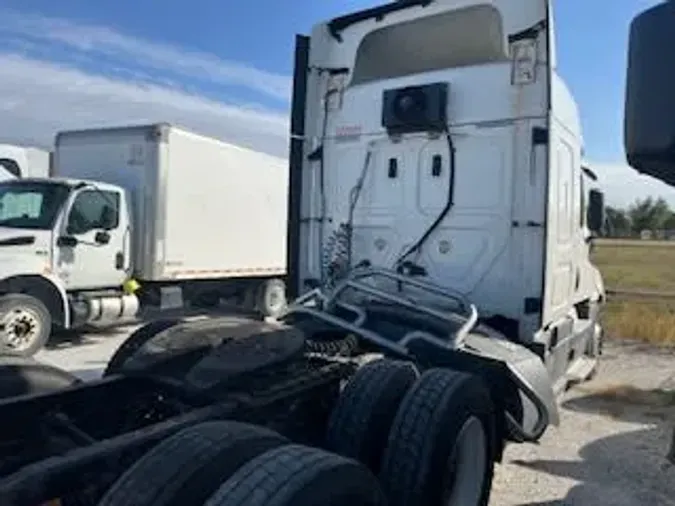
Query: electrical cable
[448, 205]
[339, 244]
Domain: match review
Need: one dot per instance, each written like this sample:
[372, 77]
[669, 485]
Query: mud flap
[530, 376]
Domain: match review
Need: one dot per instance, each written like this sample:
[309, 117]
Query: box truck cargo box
[200, 208]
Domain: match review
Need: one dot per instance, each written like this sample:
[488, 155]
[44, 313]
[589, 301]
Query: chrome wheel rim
[466, 466]
[20, 327]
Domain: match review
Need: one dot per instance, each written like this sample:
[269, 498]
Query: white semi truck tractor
[136, 218]
[437, 140]
[439, 225]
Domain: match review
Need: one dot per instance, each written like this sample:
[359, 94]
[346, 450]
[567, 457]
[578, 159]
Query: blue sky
[225, 70]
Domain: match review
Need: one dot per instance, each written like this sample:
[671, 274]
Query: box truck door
[93, 242]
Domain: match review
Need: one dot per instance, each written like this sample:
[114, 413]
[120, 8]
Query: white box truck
[135, 217]
[18, 162]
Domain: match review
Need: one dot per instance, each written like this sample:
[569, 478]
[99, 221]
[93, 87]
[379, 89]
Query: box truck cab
[17, 162]
[437, 140]
[139, 217]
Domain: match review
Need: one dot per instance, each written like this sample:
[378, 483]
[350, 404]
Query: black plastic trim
[529, 33]
[533, 305]
[298, 108]
[540, 136]
[23, 240]
[337, 25]
[11, 166]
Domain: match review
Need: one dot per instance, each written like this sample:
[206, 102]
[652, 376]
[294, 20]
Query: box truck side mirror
[596, 211]
[102, 238]
[649, 126]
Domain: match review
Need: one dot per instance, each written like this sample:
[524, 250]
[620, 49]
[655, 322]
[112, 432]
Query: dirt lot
[608, 451]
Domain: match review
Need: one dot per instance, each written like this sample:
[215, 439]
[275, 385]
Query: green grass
[636, 266]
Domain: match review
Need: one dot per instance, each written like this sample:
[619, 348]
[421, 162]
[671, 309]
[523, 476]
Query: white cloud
[623, 185]
[60, 75]
[39, 98]
[104, 42]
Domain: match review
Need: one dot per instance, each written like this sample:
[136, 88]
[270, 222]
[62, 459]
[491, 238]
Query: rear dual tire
[430, 439]
[190, 466]
[235, 464]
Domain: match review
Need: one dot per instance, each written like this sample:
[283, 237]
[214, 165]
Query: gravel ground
[610, 447]
[608, 450]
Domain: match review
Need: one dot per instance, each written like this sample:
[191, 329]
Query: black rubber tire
[190, 466]
[424, 433]
[344, 346]
[14, 302]
[135, 341]
[27, 376]
[265, 294]
[295, 475]
[362, 416]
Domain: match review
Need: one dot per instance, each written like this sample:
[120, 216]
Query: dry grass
[635, 266]
[649, 321]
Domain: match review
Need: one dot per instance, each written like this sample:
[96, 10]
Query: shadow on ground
[625, 469]
[620, 470]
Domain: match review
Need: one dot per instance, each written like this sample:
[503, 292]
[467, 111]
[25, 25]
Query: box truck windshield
[31, 204]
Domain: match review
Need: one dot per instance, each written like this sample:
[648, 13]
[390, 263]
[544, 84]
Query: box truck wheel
[271, 300]
[25, 325]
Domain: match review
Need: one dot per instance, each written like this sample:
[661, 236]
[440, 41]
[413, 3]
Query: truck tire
[271, 298]
[25, 325]
[135, 341]
[189, 466]
[441, 444]
[295, 475]
[362, 416]
[27, 376]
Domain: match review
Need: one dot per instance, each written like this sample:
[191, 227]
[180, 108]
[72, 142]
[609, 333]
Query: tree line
[652, 215]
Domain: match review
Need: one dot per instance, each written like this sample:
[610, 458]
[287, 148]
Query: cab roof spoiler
[337, 25]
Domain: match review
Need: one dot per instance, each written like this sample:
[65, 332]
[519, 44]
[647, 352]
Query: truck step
[171, 297]
[581, 370]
